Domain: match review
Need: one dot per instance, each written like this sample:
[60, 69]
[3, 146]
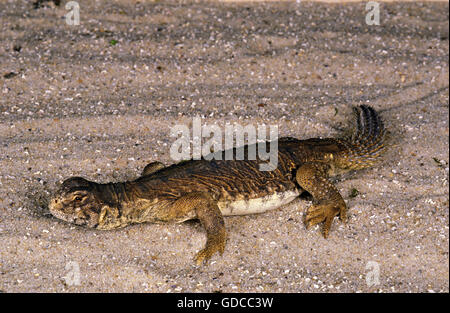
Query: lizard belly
[258, 205]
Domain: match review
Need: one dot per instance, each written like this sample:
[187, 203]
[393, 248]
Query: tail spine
[367, 142]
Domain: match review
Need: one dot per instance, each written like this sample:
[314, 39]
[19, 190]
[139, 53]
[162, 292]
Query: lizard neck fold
[122, 206]
[114, 197]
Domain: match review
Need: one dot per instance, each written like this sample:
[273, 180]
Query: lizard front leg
[207, 211]
[327, 203]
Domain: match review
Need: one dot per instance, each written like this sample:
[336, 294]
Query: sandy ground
[98, 100]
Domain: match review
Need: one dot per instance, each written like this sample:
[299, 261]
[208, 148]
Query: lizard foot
[211, 247]
[325, 212]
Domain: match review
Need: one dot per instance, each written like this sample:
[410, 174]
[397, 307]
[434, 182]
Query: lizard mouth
[56, 208]
[85, 222]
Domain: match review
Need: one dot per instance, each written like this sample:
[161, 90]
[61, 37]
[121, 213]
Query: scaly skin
[208, 190]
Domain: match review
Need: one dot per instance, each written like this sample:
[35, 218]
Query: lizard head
[77, 202]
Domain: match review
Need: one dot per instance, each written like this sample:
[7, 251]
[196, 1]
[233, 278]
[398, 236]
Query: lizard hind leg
[327, 203]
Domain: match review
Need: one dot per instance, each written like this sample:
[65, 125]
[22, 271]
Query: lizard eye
[78, 198]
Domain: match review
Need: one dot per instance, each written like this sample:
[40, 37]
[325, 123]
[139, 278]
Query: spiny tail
[368, 141]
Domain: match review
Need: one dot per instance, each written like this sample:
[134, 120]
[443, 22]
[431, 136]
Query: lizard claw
[325, 212]
[203, 256]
